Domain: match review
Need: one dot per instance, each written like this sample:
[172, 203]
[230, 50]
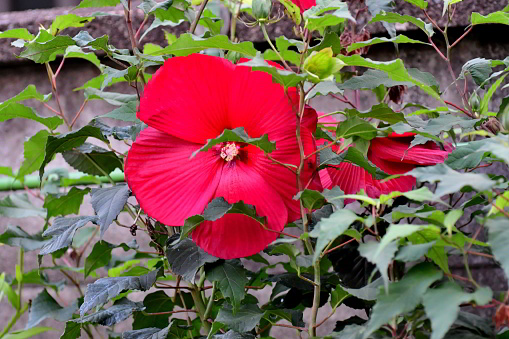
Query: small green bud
[474, 101]
[261, 9]
[233, 56]
[322, 65]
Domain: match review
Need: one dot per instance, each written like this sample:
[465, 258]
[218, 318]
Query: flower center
[229, 151]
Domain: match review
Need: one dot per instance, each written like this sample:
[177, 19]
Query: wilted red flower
[304, 4]
[392, 155]
[195, 98]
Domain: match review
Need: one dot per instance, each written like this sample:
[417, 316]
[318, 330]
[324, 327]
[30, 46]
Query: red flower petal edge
[192, 99]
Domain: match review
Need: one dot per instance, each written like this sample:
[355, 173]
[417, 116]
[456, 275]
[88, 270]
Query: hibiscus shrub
[241, 185]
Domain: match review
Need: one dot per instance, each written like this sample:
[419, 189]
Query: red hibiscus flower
[304, 4]
[195, 98]
[392, 155]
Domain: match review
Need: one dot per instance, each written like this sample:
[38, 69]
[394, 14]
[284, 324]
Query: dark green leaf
[99, 257]
[72, 330]
[30, 92]
[188, 44]
[392, 17]
[368, 292]
[45, 47]
[239, 135]
[411, 253]
[65, 204]
[498, 235]
[234, 335]
[396, 40]
[380, 256]
[185, 257]
[381, 112]
[467, 155]
[18, 206]
[403, 296]
[117, 99]
[311, 200]
[15, 110]
[355, 126]
[355, 156]
[62, 231]
[279, 76]
[231, 277]
[371, 79]
[68, 141]
[44, 306]
[105, 289]
[15, 236]
[335, 11]
[108, 203]
[77, 52]
[442, 305]
[87, 158]
[120, 311]
[244, 320]
[154, 303]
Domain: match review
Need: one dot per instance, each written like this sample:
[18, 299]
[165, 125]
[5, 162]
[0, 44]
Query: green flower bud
[474, 101]
[322, 65]
[233, 56]
[261, 9]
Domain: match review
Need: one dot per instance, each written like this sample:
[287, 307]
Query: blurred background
[22, 5]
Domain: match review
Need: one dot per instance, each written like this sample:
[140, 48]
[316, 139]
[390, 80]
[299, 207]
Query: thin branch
[432, 21]
[459, 108]
[137, 35]
[267, 38]
[171, 312]
[461, 37]
[344, 99]
[500, 210]
[79, 112]
[198, 15]
[129, 23]
[339, 246]
[288, 166]
[437, 49]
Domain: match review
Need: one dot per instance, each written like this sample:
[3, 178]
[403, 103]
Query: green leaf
[356, 157]
[400, 39]
[108, 203]
[335, 11]
[105, 289]
[403, 296]
[450, 181]
[62, 22]
[337, 296]
[15, 110]
[185, 257]
[467, 155]
[381, 112]
[45, 47]
[77, 52]
[311, 199]
[62, 231]
[99, 257]
[419, 3]
[17, 33]
[421, 194]
[392, 17]
[451, 218]
[15, 236]
[216, 209]
[244, 320]
[44, 306]
[18, 206]
[120, 311]
[371, 79]
[6, 289]
[411, 253]
[283, 44]
[65, 204]
[154, 302]
[395, 69]
[68, 141]
[330, 228]
[442, 305]
[379, 255]
[30, 92]
[97, 3]
[117, 99]
[479, 68]
[231, 277]
[354, 126]
[72, 330]
[188, 44]
[483, 109]
[126, 112]
[279, 76]
[34, 152]
[498, 235]
[23, 334]
[499, 17]
[87, 158]
[239, 135]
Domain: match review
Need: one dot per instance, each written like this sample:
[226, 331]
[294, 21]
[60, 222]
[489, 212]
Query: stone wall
[491, 41]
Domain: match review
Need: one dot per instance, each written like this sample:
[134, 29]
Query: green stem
[211, 301]
[33, 181]
[266, 36]
[99, 168]
[316, 300]
[198, 15]
[200, 307]
[13, 320]
[20, 279]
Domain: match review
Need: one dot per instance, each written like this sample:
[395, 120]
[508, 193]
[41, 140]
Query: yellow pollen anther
[229, 151]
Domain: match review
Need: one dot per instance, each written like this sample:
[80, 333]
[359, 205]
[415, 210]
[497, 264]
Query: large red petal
[236, 235]
[281, 178]
[397, 150]
[188, 97]
[168, 185]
